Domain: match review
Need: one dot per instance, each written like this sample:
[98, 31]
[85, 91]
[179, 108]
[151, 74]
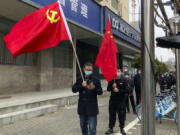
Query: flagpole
[72, 43]
[75, 54]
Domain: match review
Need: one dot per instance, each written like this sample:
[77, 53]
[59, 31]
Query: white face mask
[88, 72]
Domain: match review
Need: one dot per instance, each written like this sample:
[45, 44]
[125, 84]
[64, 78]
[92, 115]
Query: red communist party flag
[42, 29]
[106, 58]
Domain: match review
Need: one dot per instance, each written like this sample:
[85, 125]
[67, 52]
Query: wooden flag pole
[74, 50]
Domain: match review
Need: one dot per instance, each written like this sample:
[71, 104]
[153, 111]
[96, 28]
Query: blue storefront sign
[122, 29]
[85, 13]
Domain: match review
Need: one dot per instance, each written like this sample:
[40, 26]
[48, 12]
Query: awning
[169, 42]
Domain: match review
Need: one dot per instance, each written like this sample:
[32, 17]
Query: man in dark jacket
[130, 95]
[88, 103]
[137, 84]
[117, 102]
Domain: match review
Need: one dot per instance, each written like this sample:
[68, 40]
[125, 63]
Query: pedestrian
[88, 103]
[117, 103]
[137, 84]
[130, 94]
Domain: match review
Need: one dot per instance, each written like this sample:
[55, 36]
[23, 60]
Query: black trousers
[117, 107]
[138, 95]
[131, 97]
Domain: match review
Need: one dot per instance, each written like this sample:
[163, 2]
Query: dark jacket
[137, 81]
[130, 86]
[122, 85]
[88, 103]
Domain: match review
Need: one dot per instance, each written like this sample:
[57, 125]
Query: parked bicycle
[165, 106]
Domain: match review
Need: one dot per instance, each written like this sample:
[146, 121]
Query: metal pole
[178, 84]
[178, 88]
[147, 78]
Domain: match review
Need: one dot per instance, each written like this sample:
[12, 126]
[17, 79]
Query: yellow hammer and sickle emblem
[52, 18]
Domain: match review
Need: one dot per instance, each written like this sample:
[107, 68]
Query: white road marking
[130, 126]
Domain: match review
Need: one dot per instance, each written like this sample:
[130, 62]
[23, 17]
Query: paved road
[66, 122]
[63, 122]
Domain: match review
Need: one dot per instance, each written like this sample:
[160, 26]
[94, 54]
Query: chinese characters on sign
[124, 29]
[83, 8]
[86, 13]
[74, 5]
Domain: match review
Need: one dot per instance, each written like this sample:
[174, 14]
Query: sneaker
[110, 131]
[123, 131]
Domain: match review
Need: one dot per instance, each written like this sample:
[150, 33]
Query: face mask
[127, 76]
[139, 72]
[88, 72]
[118, 74]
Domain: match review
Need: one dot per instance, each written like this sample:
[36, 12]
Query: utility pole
[177, 81]
[175, 24]
[147, 77]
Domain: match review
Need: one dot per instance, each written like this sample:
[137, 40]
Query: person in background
[137, 84]
[130, 95]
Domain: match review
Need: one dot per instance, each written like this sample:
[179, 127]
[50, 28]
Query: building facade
[56, 68]
[119, 7]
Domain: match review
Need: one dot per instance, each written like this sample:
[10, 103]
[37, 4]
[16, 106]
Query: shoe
[110, 131]
[123, 131]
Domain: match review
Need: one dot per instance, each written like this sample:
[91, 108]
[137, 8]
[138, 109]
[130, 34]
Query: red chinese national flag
[106, 59]
[42, 29]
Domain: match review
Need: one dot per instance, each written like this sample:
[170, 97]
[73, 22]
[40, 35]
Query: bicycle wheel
[138, 112]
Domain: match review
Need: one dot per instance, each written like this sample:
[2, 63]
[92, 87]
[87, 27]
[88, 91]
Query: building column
[46, 69]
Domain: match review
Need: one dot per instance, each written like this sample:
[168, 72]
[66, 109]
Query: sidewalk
[66, 122]
[63, 122]
[22, 98]
[167, 127]
[27, 97]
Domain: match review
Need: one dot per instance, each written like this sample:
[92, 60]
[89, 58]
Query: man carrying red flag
[42, 29]
[117, 85]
